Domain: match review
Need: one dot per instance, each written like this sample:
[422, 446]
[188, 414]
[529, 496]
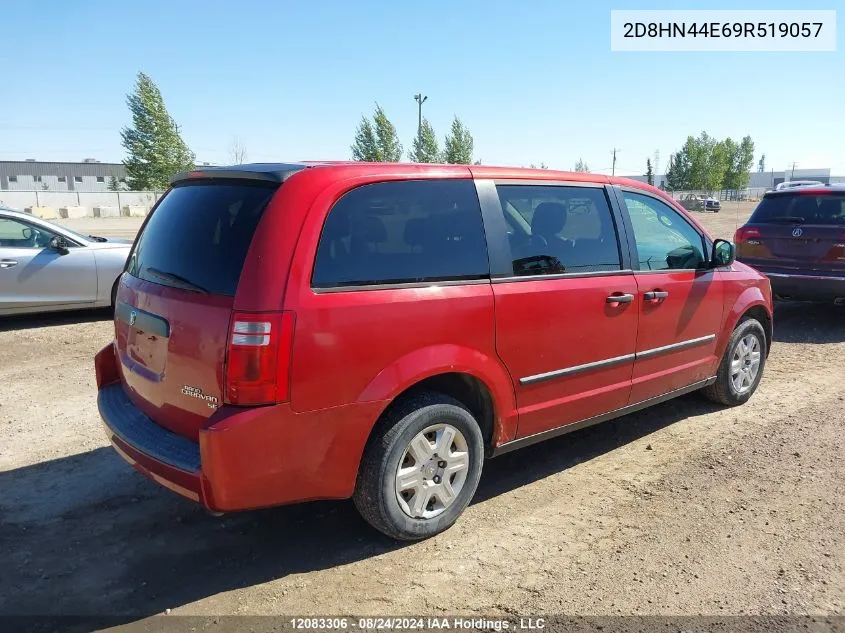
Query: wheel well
[468, 390]
[760, 313]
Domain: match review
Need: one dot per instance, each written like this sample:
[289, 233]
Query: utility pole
[613, 169]
[420, 99]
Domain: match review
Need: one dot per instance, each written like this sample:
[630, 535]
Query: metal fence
[83, 203]
[737, 195]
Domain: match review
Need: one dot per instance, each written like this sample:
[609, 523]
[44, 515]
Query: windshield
[58, 228]
[801, 208]
[80, 236]
[198, 236]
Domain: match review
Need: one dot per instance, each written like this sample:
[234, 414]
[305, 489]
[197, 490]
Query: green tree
[155, 150]
[740, 160]
[425, 149]
[711, 165]
[582, 166]
[114, 183]
[365, 148]
[387, 138]
[377, 141]
[649, 173]
[692, 166]
[677, 175]
[718, 161]
[459, 144]
[541, 166]
[699, 150]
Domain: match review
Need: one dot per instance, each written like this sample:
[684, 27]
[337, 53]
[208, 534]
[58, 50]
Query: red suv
[376, 331]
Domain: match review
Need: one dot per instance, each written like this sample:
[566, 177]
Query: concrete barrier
[132, 211]
[48, 213]
[73, 212]
[106, 212]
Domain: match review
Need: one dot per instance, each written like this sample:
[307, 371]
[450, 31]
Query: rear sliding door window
[198, 236]
[557, 229]
[403, 232]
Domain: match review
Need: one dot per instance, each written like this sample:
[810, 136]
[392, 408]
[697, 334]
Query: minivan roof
[279, 172]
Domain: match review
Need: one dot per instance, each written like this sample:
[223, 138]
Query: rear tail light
[258, 358]
[747, 235]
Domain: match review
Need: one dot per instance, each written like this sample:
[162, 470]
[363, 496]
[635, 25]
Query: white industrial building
[30, 175]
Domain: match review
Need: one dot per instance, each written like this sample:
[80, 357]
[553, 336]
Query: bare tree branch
[237, 152]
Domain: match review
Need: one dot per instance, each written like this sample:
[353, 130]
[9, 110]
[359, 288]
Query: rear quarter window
[402, 232]
[198, 236]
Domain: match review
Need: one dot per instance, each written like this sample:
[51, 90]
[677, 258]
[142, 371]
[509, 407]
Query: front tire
[420, 468]
[742, 365]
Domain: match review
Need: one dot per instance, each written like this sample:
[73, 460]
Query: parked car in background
[711, 204]
[791, 184]
[45, 267]
[693, 202]
[796, 236]
[376, 331]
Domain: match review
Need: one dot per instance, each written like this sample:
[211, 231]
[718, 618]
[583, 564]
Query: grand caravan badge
[195, 392]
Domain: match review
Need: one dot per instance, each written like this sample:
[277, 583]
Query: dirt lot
[686, 508]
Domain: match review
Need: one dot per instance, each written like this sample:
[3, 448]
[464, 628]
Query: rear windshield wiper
[787, 219]
[186, 284]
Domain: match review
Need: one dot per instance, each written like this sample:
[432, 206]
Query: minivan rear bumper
[245, 457]
[167, 458]
[811, 286]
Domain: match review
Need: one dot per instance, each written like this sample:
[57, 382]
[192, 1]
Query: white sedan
[46, 267]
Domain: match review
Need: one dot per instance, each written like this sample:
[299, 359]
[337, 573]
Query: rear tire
[420, 468]
[741, 367]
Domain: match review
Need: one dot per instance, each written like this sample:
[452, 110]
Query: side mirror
[724, 254]
[60, 245]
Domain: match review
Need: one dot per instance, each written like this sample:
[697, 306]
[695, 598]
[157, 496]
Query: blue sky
[534, 81]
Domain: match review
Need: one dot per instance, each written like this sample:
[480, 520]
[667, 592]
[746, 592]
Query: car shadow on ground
[802, 322]
[48, 319]
[90, 537]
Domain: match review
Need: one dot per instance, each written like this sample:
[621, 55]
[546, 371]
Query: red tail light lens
[747, 234]
[258, 358]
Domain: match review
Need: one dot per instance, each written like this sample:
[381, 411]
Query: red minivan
[291, 332]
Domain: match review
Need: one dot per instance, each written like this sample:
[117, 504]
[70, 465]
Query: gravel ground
[686, 508]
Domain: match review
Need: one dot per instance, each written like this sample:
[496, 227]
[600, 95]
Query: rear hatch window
[198, 236]
[801, 209]
[174, 309]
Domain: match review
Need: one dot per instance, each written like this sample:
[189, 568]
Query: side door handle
[617, 298]
[8, 263]
[655, 295]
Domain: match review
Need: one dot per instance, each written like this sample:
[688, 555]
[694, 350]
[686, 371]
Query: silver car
[46, 267]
